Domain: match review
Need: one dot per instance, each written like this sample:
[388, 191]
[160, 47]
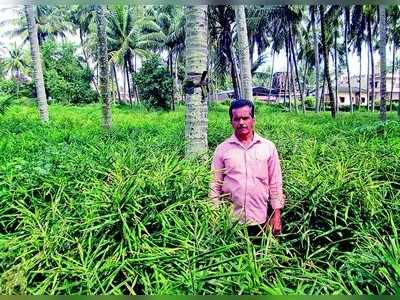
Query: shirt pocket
[233, 163]
[259, 165]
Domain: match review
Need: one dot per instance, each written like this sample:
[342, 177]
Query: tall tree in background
[313, 11]
[394, 33]
[370, 12]
[37, 64]
[170, 35]
[103, 64]
[244, 58]
[81, 18]
[357, 37]
[221, 19]
[294, 57]
[326, 61]
[51, 21]
[346, 34]
[16, 63]
[382, 53]
[196, 29]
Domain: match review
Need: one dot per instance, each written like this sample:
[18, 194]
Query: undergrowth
[88, 212]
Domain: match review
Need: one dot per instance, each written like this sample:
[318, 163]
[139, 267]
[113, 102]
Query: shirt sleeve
[217, 167]
[275, 181]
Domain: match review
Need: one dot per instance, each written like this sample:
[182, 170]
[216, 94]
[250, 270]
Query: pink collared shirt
[250, 176]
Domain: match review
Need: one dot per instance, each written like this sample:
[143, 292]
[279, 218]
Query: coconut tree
[394, 34]
[326, 60]
[170, 36]
[286, 20]
[37, 64]
[295, 63]
[370, 12]
[196, 29]
[263, 32]
[130, 35]
[346, 34]
[272, 30]
[313, 12]
[16, 61]
[51, 21]
[382, 53]
[333, 20]
[306, 53]
[82, 18]
[244, 59]
[170, 30]
[103, 65]
[357, 37]
[260, 28]
[221, 22]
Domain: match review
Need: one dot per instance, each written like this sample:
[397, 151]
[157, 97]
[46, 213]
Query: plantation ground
[123, 213]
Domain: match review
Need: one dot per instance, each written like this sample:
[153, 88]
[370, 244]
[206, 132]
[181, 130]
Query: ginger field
[83, 211]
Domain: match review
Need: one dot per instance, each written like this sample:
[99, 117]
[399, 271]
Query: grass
[84, 212]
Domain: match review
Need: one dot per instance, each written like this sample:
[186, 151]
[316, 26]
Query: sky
[280, 59]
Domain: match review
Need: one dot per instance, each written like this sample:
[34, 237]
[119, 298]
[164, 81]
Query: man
[247, 169]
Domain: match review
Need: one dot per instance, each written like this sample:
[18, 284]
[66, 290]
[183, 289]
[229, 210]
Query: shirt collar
[234, 140]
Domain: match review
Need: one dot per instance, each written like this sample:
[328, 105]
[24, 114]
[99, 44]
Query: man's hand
[275, 222]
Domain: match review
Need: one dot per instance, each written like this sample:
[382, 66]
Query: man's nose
[241, 121]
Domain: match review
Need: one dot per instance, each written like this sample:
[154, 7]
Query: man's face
[242, 121]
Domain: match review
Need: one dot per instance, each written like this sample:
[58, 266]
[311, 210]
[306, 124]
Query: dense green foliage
[66, 80]
[154, 83]
[86, 212]
[309, 101]
[14, 88]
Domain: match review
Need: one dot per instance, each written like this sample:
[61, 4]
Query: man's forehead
[244, 110]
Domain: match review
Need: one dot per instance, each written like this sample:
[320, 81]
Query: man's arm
[217, 167]
[275, 191]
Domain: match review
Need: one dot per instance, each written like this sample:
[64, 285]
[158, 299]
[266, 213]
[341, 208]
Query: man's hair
[241, 103]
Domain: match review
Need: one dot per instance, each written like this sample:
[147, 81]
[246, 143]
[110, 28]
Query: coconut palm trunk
[288, 82]
[322, 99]
[196, 28]
[346, 28]
[85, 55]
[103, 65]
[272, 73]
[382, 53]
[368, 83]
[371, 51]
[37, 64]
[175, 82]
[116, 83]
[244, 56]
[235, 74]
[304, 89]
[392, 81]
[128, 83]
[171, 73]
[336, 72]
[326, 62]
[292, 80]
[287, 78]
[359, 82]
[124, 81]
[398, 104]
[291, 42]
[316, 55]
